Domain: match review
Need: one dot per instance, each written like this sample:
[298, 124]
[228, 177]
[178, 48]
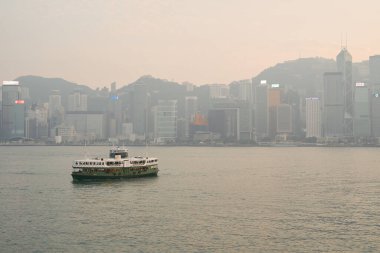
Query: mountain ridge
[301, 74]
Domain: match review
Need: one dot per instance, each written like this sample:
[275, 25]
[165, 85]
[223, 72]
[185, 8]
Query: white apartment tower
[313, 117]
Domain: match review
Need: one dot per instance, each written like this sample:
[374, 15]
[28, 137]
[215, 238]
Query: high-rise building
[77, 102]
[166, 121]
[241, 90]
[225, 123]
[362, 123]
[375, 111]
[87, 125]
[199, 125]
[36, 122]
[191, 108]
[344, 65]
[13, 111]
[293, 99]
[374, 79]
[333, 105]
[261, 110]
[56, 110]
[313, 117]
[284, 119]
[275, 93]
[139, 109]
[374, 70]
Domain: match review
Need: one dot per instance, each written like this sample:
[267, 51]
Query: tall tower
[261, 110]
[56, 110]
[362, 120]
[275, 94]
[333, 105]
[13, 111]
[374, 78]
[166, 121]
[344, 65]
[313, 117]
[191, 108]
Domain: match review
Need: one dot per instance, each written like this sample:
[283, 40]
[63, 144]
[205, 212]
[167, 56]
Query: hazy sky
[96, 42]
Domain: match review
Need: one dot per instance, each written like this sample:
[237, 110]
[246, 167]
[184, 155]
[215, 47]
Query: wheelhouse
[123, 153]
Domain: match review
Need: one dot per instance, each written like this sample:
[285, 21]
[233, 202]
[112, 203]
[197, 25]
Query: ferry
[117, 166]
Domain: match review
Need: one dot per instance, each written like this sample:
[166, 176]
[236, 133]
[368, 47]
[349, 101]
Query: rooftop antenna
[341, 41]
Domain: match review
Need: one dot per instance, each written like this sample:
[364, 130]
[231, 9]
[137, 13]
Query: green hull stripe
[101, 177]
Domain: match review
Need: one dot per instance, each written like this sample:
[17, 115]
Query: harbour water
[203, 200]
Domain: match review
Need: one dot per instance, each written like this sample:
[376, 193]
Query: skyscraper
[13, 111]
[284, 119]
[344, 65]
[56, 110]
[166, 121]
[225, 123]
[261, 110]
[333, 105]
[374, 78]
[191, 108]
[275, 94]
[374, 70]
[362, 126]
[139, 109]
[313, 117]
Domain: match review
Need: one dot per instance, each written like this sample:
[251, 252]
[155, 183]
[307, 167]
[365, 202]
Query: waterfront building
[225, 123]
[198, 125]
[13, 111]
[191, 108]
[375, 111]
[275, 93]
[374, 78]
[284, 119]
[165, 121]
[64, 133]
[261, 110]
[55, 109]
[36, 122]
[313, 117]
[362, 123]
[88, 125]
[333, 105]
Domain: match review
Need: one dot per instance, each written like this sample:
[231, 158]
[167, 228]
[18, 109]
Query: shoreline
[266, 145]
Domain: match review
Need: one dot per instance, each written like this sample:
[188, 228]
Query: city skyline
[96, 43]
